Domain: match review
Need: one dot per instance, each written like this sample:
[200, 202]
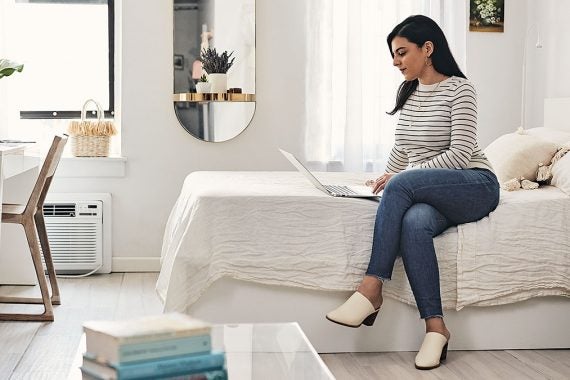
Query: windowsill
[91, 167]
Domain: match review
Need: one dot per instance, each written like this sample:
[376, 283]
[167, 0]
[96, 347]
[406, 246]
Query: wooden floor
[38, 351]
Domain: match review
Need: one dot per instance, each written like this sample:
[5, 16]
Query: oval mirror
[214, 67]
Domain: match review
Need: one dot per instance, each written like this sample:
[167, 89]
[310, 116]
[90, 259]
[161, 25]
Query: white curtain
[351, 82]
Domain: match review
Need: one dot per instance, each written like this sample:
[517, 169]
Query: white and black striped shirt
[438, 129]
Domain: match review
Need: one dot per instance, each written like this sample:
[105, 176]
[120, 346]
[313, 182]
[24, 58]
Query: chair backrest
[47, 171]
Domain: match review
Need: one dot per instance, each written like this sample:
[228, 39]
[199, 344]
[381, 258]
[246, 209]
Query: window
[67, 48]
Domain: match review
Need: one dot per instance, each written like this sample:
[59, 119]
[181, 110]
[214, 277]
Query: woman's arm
[397, 161]
[463, 131]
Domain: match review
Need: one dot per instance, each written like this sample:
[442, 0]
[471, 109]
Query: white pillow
[517, 155]
[561, 174]
[549, 134]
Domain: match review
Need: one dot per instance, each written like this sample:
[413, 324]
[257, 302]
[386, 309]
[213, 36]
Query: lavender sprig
[214, 63]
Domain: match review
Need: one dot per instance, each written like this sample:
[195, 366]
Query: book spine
[220, 374]
[164, 335]
[87, 374]
[172, 366]
[164, 348]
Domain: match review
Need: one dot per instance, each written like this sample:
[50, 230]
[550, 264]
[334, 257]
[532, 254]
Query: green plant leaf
[8, 67]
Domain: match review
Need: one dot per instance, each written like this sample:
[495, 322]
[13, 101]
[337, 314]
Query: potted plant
[203, 86]
[8, 67]
[217, 66]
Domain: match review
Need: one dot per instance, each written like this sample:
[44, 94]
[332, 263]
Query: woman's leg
[461, 196]
[421, 223]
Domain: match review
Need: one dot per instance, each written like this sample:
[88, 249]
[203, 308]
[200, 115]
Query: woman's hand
[379, 183]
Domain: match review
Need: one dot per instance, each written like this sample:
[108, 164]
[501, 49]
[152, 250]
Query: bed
[271, 248]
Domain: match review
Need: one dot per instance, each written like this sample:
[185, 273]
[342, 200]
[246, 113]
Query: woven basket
[91, 138]
[90, 146]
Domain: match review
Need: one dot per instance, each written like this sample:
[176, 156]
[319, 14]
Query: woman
[453, 182]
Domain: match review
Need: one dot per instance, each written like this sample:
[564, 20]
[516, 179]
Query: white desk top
[13, 161]
[10, 147]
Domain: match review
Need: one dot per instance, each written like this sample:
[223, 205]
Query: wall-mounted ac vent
[61, 209]
[78, 238]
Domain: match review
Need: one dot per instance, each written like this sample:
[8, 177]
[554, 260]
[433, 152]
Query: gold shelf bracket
[213, 97]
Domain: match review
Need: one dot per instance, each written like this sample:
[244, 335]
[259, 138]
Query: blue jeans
[418, 205]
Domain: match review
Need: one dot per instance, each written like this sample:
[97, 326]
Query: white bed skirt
[533, 324]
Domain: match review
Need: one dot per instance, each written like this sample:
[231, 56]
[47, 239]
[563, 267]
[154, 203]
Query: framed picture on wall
[178, 62]
[486, 15]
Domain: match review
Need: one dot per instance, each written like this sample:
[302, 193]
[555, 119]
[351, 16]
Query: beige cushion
[517, 155]
[561, 174]
[550, 134]
[561, 169]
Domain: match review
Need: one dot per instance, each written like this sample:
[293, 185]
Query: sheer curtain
[351, 82]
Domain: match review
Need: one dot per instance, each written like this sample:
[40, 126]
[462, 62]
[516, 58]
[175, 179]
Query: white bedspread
[276, 228]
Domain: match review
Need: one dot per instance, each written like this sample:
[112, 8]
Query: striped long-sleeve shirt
[438, 129]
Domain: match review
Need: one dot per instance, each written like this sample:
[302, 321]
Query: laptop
[333, 190]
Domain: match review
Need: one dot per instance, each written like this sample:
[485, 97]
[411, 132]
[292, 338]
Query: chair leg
[47, 315]
[30, 229]
[42, 234]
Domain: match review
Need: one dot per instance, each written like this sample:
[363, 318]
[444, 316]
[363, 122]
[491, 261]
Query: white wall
[160, 153]
[494, 66]
[548, 74]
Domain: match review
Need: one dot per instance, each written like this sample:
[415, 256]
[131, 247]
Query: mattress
[276, 228]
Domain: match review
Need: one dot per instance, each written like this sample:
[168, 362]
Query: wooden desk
[18, 173]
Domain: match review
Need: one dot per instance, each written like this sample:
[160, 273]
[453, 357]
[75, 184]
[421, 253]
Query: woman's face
[409, 58]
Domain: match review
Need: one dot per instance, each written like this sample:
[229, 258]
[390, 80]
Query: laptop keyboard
[340, 190]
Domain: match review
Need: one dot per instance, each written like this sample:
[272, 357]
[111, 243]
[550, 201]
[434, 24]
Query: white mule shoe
[432, 352]
[357, 310]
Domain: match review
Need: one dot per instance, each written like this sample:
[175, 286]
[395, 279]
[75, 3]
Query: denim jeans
[418, 205]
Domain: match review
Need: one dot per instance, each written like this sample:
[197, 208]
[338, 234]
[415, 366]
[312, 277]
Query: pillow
[550, 134]
[561, 174]
[517, 155]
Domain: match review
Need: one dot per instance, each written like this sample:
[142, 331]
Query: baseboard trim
[136, 264]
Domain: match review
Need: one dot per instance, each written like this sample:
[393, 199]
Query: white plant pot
[219, 83]
[203, 87]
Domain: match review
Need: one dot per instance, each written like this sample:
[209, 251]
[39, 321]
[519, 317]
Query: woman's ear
[428, 48]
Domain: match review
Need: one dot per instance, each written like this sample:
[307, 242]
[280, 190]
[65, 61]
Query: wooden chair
[31, 217]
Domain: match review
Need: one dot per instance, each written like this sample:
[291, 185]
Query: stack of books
[168, 346]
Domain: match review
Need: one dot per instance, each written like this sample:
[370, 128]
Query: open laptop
[333, 190]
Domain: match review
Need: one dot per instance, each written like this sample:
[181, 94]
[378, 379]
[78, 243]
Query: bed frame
[533, 324]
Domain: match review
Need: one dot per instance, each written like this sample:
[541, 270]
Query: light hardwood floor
[32, 350]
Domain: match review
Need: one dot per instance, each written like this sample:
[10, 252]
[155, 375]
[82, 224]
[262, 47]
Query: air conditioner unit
[79, 232]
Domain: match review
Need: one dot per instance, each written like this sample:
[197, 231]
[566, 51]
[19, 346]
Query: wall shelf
[213, 97]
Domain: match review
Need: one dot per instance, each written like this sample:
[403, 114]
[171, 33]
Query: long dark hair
[419, 29]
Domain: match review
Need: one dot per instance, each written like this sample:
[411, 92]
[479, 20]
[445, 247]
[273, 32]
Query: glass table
[276, 351]
[268, 351]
